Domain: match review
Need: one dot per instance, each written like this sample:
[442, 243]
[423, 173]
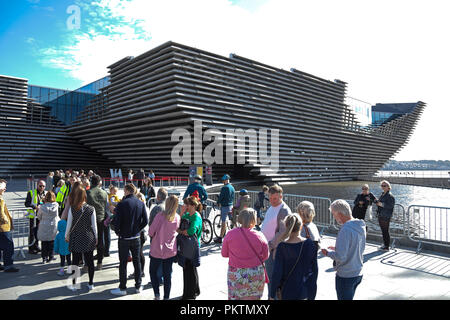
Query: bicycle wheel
[207, 232]
[217, 223]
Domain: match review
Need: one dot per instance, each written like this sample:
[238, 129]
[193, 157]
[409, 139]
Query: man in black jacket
[130, 218]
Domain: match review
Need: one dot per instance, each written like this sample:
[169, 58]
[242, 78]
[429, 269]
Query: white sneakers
[118, 292]
[72, 287]
[91, 287]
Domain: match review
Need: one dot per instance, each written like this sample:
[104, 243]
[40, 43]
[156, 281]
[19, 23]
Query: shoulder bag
[280, 288]
[74, 225]
[266, 280]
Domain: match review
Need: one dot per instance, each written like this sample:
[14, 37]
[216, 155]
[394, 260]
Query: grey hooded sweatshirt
[350, 244]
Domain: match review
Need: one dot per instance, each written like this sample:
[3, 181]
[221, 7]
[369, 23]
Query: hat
[243, 192]
[226, 177]
[198, 177]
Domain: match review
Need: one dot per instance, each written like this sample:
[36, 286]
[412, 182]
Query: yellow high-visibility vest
[30, 212]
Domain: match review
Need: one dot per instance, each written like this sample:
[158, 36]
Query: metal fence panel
[21, 230]
[429, 224]
[397, 227]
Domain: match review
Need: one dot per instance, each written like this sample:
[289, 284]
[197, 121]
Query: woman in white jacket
[48, 225]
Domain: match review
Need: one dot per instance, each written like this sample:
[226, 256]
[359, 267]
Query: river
[404, 194]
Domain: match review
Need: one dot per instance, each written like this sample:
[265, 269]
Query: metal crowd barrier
[323, 216]
[162, 181]
[21, 231]
[427, 224]
[397, 226]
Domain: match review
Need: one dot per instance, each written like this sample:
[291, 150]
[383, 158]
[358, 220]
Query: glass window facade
[378, 118]
[65, 105]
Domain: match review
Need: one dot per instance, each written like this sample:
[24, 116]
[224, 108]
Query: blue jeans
[155, 266]
[269, 269]
[7, 246]
[346, 287]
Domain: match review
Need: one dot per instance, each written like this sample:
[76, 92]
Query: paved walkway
[398, 274]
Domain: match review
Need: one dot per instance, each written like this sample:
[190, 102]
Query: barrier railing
[427, 224]
[159, 181]
[397, 226]
[323, 216]
[21, 231]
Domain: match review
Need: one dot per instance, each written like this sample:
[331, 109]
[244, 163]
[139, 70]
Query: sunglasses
[384, 185]
[41, 186]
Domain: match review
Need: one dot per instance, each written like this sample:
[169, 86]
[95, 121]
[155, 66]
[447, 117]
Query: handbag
[280, 288]
[187, 246]
[266, 278]
[74, 225]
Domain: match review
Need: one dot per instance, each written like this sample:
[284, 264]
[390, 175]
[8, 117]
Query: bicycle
[217, 223]
[207, 228]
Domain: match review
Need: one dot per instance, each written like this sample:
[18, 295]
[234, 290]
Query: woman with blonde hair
[309, 230]
[163, 247]
[385, 203]
[295, 266]
[247, 249]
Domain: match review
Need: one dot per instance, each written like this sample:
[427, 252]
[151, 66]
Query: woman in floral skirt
[247, 249]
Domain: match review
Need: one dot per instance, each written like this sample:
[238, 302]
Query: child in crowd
[242, 203]
[62, 247]
[48, 218]
[113, 200]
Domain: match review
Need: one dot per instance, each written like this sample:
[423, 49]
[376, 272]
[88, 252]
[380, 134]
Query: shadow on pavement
[63, 291]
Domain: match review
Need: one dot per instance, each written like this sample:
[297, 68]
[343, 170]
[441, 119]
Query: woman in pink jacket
[163, 247]
[247, 249]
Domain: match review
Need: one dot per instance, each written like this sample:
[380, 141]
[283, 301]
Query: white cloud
[387, 51]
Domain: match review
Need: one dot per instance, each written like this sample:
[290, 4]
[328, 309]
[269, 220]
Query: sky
[388, 51]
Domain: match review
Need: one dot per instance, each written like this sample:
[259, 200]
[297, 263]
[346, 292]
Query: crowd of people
[73, 217]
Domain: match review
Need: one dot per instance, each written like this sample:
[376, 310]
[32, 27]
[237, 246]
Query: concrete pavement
[398, 274]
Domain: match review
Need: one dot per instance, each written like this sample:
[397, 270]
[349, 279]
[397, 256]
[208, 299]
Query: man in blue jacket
[197, 186]
[129, 219]
[225, 202]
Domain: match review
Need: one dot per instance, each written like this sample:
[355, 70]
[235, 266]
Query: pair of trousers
[100, 244]
[47, 249]
[64, 259]
[7, 248]
[106, 239]
[155, 264]
[132, 246]
[34, 223]
[191, 288]
[141, 251]
[88, 260]
[346, 287]
[384, 225]
[269, 269]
